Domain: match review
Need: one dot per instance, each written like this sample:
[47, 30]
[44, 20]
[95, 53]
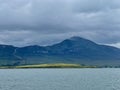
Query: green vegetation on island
[55, 65]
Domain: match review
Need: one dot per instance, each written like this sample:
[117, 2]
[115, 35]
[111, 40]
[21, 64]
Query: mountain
[73, 50]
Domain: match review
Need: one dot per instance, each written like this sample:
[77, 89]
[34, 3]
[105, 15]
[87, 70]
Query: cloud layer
[44, 22]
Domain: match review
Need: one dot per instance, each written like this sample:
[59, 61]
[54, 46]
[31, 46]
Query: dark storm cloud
[43, 22]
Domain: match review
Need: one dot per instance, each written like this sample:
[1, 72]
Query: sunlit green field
[56, 65]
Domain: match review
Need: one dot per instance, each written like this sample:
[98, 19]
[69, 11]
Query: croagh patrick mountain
[74, 50]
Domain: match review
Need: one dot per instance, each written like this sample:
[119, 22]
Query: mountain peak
[74, 38]
[81, 40]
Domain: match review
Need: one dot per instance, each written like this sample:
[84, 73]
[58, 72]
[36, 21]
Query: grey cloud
[87, 6]
[43, 22]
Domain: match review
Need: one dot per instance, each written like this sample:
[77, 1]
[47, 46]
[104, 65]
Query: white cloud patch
[114, 45]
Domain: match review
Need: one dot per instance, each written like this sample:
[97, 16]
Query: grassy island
[55, 65]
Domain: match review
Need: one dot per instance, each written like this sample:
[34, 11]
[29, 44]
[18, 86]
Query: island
[51, 65]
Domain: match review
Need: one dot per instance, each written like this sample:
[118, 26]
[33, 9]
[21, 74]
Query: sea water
[60, 79]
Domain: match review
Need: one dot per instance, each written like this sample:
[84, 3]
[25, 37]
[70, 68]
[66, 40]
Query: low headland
[54, 65]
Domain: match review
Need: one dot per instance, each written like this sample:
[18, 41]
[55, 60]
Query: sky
[45, 22]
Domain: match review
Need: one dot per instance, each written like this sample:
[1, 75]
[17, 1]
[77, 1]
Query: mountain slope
[73, 50]
[82, 48]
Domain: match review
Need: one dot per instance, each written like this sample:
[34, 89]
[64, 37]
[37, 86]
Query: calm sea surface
[59, 79]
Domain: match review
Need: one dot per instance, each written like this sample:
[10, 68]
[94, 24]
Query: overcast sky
[44, 22]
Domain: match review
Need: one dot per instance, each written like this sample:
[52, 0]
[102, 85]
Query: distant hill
[74, 50]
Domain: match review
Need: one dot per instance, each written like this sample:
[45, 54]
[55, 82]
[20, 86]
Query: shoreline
[55, 65]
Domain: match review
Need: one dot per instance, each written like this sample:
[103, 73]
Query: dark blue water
[60, 79]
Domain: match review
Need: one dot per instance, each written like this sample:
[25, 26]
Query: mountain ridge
[72, 50]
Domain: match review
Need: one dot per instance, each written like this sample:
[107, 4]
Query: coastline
[55, 65]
